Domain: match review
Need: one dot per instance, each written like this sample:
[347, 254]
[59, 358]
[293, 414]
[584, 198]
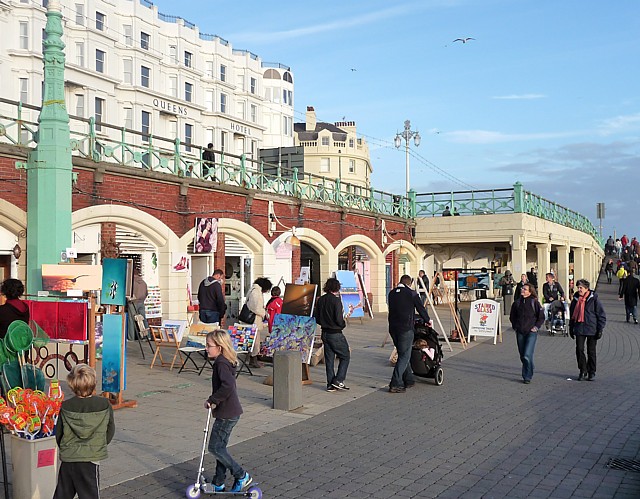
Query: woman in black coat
[526, 319]
[586, 326]
[630, 291]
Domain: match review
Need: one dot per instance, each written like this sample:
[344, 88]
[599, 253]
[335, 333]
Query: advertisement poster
[206, 238]
[484, 318]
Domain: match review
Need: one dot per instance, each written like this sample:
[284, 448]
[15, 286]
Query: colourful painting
[206, 238]
[478, 280]
[112, 352]
[78, 277]
[291, 332]
[243, 336]
[114, 281]
[299, 299]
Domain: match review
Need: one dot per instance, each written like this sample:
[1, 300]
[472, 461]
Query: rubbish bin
[507, 301]
[35, 467]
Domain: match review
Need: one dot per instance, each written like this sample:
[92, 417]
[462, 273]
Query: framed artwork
[180, 262]
[180, 326]
[206, 238]
[291, 332]
[352, 305]
[115, 275]
[72, 277]
[112, 352]
[299, 299]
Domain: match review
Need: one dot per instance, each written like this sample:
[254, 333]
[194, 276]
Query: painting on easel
[112, 353]
[291, 332]
[78, 277]
[299, 299]
[116, 281]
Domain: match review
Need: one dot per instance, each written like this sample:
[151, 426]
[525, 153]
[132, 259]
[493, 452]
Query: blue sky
[546, 94]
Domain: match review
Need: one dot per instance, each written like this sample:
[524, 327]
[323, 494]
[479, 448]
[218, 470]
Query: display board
[485, 319]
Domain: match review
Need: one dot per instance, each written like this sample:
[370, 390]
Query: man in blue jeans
[403, 303]
[211, 298]
[329, 314]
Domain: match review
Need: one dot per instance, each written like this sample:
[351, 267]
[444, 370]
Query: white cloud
[620, 124]
[520, 96]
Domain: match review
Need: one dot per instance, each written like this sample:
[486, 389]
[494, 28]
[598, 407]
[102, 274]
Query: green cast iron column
[49, 166]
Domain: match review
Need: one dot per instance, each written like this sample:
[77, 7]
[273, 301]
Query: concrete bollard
[287, 380]
[507, 302]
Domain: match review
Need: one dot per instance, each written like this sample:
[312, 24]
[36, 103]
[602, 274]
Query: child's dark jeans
[80, 478]
[220, 433]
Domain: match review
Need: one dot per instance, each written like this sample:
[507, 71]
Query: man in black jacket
[630, 291]
[403, 302]
[329, 315]
[211, 298]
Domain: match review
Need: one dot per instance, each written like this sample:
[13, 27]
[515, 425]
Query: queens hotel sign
[169, 107]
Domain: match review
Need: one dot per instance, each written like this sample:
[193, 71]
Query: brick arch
[414, 254]
[324, 248]
[156, 231]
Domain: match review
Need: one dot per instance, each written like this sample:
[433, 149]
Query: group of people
[587, 320]
[618, 247]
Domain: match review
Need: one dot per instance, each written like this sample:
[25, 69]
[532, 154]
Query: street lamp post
[407, 134]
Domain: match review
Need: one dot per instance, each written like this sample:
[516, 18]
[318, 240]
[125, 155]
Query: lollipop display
[30, 414]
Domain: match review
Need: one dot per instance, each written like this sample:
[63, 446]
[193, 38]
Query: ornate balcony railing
[103, 142]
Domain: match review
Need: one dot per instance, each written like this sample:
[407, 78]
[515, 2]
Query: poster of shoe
[180, 262]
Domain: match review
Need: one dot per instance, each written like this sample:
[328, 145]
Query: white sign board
[484, 319]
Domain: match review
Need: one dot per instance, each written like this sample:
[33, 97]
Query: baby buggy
[557, 323]
[426, 353]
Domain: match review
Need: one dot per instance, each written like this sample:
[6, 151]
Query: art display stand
[116, 398]
[165, 337]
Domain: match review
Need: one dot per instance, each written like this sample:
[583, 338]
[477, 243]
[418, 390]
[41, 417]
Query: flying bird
[354, 69]
[463, 40]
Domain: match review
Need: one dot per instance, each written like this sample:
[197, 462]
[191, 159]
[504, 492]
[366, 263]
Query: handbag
[246, 315]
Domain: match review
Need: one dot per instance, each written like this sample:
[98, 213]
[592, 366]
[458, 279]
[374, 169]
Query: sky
[547, 92]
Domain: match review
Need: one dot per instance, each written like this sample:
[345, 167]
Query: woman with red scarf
[14, 309]
[586, 325]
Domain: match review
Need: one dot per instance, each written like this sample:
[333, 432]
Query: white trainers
[340, 386]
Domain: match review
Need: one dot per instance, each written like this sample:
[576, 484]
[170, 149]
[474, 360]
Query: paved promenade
[482, 434]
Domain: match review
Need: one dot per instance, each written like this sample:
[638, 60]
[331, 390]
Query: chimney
[310, 119]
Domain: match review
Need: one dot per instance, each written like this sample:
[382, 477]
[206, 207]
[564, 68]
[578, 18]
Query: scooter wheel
[255, 493]
[193, 492]
[439, 376]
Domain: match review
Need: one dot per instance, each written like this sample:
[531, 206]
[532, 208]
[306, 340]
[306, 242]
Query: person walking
[518, 292]
[551, 290]
[136, 304]
[255, 303]
[609, 270]
[403, 303]
[422, 279]
[587, 323]
[211, 298]
[630, 291]
[526, 318]
[329, 315]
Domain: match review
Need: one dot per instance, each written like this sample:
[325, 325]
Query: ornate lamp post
[407, 134]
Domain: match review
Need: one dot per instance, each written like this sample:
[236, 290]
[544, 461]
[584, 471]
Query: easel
[165, 337]
[433, 309]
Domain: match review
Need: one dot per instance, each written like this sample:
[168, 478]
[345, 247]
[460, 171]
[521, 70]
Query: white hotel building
[131, 66]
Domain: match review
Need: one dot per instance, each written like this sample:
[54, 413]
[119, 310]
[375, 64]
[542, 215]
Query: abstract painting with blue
[352, 305]
[112, 351]
[114, 281]
[291, 332]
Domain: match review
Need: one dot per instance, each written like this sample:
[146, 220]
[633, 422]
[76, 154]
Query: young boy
[274, 305]
[85, 427]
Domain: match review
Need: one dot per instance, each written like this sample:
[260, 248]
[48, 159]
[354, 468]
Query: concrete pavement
[482, 434]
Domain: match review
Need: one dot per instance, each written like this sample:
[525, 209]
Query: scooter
[201, 486]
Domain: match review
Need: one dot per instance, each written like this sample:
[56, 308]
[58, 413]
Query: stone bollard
[287, 380]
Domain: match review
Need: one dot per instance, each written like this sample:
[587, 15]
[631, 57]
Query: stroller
[427, 364]
[558, 324]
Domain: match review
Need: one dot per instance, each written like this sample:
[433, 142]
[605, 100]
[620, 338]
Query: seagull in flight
[463, 40]
[354, 69]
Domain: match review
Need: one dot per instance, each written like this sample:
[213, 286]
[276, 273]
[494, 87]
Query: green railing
[491, 201]
[102, 142]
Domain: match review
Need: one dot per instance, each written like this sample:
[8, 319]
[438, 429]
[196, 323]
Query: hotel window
[188, 134]
[325, 165]
[128, 34]
[188, 91]
[223, 72]
[254, 113]
[100, 21]
[145, 39]
[209, 69]
[268, 94]
[80, 105]
[24, 35]
[325, 141]
[253, 85]
[128, 118]
[208, 100]
[144, 76]
[100, 56]
[146, 125]
[208, 134]
[188, 57]
[287, 126]
[240, 82]
[80, 54]
[173, 129]
[127, 65]
[352, 166]
[98, 114]
[173, 86]
[173, 53]
[223, 141]
[287, 97]
[223, 103]
[351, 143]
[240, 109]
[24, 90]
[80, 14]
